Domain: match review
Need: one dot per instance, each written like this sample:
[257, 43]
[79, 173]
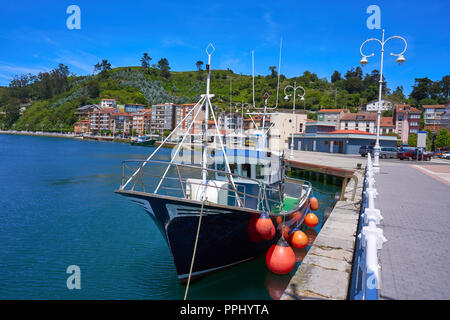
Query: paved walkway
[414, 199]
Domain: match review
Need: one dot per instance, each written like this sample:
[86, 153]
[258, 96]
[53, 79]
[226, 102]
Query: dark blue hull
[227, 234]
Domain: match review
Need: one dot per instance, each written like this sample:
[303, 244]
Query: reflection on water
[58, 208]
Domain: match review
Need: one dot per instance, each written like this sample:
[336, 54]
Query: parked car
[364, 150]
[413, 154]
[446, 156]
[386, 152]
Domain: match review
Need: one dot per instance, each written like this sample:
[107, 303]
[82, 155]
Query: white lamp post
[400, 60]
[302, 98]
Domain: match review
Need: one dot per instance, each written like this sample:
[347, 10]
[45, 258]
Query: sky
[320, 36]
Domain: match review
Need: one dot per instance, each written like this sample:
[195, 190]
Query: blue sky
[320, 36]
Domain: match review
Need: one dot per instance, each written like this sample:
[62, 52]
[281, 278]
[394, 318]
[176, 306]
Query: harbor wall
[325, 272]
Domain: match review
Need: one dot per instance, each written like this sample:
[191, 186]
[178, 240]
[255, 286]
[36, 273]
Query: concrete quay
[414, 201]
[326, 269]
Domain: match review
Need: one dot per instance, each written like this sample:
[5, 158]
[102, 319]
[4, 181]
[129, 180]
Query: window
[259, 171]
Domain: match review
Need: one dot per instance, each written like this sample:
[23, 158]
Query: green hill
[55, 96]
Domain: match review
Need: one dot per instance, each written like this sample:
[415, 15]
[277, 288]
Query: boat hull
[147, 143]
[227, 235]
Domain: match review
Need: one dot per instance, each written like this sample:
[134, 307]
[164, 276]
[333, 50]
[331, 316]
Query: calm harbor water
[58, 208]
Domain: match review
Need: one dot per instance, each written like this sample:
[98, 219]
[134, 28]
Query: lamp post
[400, 60]
[302, 98]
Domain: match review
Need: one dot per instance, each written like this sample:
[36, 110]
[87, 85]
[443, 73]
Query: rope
[195, 249]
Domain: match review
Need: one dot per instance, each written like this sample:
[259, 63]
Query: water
[58, 208]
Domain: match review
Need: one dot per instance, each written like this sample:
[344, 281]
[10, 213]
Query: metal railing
[269, 198]
[366, 276]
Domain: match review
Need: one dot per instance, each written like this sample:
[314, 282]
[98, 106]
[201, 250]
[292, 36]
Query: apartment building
[100, 119]
[432, 117]
[409, 114]
[364, 121]
[162, 117]
[121, 122]
[82, 126]
[386, 125]
[282, 123]
[142, 122]
[331, 115]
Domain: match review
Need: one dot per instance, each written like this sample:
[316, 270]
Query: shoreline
[65, 135]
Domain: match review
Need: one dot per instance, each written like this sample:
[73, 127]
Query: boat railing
[179, 180]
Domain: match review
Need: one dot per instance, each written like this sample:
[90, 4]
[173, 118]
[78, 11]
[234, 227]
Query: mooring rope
[195, 248]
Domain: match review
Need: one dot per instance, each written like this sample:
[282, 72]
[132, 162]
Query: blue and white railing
[366, 277]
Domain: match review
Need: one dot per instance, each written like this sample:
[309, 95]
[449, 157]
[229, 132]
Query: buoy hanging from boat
[284, 231]
[280, 258]
[299, 239]
[264, 226]
[313, 203]
[270, 235]
[252, 233]
[311, 220]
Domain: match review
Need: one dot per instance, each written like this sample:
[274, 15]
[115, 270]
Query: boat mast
[209, 51]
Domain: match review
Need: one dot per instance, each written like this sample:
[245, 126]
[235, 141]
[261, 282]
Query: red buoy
[311, 220]
[264, 226]
[284, 231]
[270, 235]
[252, 233]
[299, 239]
[280, 258]
[313, 203]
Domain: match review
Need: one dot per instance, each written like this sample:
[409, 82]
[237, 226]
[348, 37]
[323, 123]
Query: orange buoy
[313, 203]
[299, 239]
[311, 220]
[264, 225]
[300, 254]
[297, 216]
[280, 258]
[312, 234]
[278, 220]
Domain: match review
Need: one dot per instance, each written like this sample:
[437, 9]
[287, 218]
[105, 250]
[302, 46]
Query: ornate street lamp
[400, 60]
[302, 98]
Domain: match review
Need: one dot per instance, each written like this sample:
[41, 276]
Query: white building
[281, 127]
[109, 103]
[373, 106]
[359, 121]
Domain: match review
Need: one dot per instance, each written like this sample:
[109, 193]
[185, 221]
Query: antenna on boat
[253, 77]
[279, 72]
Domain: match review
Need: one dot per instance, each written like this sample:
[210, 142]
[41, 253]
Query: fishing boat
[145, 141]
[207, 204]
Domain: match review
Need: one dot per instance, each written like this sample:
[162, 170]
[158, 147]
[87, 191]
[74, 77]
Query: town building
[331, 115]
[142, 122]
[82, 126]
[100, 120]
[181, 111]
[386, 125]
[121, 122]
[162, 117]
[108, 103]
[281, 126]
[340, 141]
[229, 120]
[445, 118]
[134, 107]
[84, 111]
[432, 117]
[405, 113]
[364, 121]
[372, 106]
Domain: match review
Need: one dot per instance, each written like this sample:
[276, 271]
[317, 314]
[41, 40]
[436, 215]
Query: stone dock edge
[325, 272]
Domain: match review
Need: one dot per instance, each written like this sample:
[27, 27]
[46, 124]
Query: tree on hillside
[336, 76]
[398, 96]
[145, 62]
[274, 73]
[199, 65]
[103, 67]
[93, 89]
[163, 66]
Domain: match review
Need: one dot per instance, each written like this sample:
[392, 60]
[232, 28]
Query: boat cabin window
[246, 170]
[260, 171]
